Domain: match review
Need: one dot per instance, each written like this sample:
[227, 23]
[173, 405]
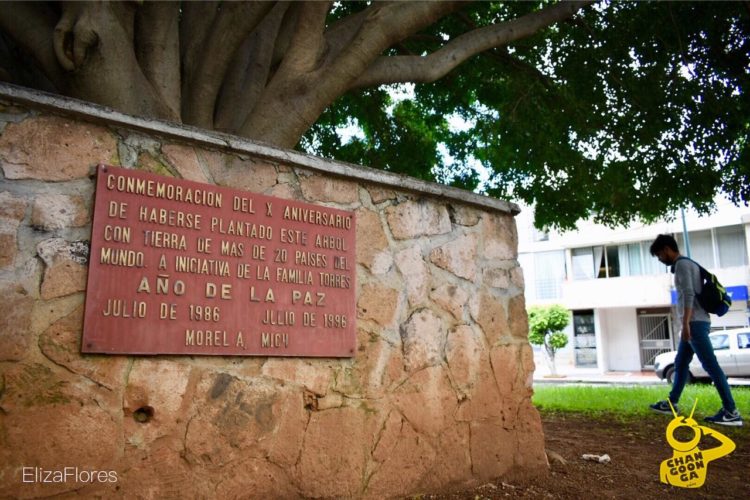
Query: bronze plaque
[180, 267]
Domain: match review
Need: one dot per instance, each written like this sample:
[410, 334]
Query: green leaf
[625, 113]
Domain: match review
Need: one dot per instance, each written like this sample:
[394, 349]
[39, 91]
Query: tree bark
[249, 72]
[94, 44]
[302, 88]
[30, 25]
[260, 69]
[231, 27]
[195, 25]
[425, 69]
[157, 39]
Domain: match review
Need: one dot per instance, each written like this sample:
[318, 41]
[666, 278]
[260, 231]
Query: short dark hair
[663, 241]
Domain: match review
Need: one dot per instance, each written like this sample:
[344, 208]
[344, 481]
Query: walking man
[696, 325]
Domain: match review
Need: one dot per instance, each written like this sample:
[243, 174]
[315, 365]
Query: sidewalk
[542, 376]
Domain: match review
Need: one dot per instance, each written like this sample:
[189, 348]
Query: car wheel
[669, 375]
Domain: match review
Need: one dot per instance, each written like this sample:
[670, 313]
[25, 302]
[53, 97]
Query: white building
[620, 296]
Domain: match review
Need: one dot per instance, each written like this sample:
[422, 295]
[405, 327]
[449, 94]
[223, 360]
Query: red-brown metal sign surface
[179, 267]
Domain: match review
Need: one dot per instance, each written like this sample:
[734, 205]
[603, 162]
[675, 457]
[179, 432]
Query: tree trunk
[93, 42]
[550, 356]
[264, 70]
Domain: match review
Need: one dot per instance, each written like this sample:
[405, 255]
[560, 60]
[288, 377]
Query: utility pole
[685, 233]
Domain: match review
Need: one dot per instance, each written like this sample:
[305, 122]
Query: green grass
[631, 401]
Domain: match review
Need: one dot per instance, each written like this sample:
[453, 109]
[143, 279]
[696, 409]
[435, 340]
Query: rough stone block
[50, 148]
[518, 320]
[57, 211]
[516, 277]
[427, 400]
[53, 437]
[237, 173]
[285, 191]
[332, 461]
[452, 467]
[465, 216]
[500, 237]
[284, 450]
[65, 263]
[378, 303]
[185, 161]
[155, 411]
[259, 479]
[482, 397]
[234, 418]
[313, 375]
[382, 263]
[531, 459]
[61, 343]
[416, 274]
[379, 195]
[423, 337]
[458, 256]
[412, 219]
[12, 207]
[464, 348]
[493, 449]
[489, 313]
[496, 278]
[505, 363]
[15, 323]
[12, 212]
[323, 188]
[8, 242]
[405, 457]
[161, 471]
[451, 298]
[381, 366]
[527, 362]
[371, 238]
[155, 164]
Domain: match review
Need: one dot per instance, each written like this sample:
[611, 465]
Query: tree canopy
[616, 110]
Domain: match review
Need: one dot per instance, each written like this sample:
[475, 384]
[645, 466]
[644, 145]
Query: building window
[632, 259]
[539, 235]
[629, 259]
[701, 247]
[583, 263]
[610, 266]
[549, 270]
[584, 339]
[732, 247]
[720, 247]
[595, 262]
[651, 264]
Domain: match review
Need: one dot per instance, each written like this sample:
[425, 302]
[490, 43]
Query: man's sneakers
[724, 417]
[664, 408]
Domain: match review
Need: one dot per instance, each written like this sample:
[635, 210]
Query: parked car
[732, 349]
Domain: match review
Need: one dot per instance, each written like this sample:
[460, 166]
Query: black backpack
[713, 297]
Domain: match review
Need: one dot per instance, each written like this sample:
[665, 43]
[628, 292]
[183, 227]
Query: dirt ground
[636, 451]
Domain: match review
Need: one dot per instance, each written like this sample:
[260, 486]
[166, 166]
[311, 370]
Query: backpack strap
[702, 270]
[681, 257]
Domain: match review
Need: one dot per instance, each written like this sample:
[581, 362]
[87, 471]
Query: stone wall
[437, 397]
